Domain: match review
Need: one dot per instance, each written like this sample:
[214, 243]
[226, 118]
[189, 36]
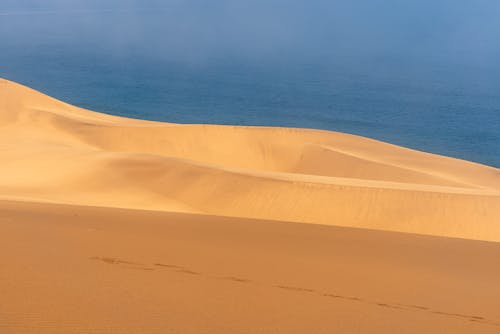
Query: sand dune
[114, 225]
[68, 269]
[55, 152]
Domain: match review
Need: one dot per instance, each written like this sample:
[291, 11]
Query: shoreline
[393, 141]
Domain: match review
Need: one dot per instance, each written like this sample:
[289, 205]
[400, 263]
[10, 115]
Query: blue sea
[420, 81]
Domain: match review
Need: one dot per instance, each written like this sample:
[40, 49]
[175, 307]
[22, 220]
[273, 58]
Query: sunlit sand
[116, 225]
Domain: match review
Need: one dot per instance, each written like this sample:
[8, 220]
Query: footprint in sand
[122, 263]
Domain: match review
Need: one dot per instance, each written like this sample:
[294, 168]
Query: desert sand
[116, 225]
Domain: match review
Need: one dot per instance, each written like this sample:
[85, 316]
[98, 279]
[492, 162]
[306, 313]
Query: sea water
[193, 64]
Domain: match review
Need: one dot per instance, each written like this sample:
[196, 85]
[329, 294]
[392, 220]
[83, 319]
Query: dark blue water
[162, 64]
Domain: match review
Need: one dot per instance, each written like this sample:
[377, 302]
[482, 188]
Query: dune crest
[54, 152]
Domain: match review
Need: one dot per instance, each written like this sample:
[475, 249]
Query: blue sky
[448, 31]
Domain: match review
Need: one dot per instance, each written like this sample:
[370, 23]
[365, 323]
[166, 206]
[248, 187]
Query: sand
[115, 225]
[70, 269]
[54, 152]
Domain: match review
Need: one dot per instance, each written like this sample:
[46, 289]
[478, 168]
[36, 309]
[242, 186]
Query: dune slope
[69, 269]
[54, 152]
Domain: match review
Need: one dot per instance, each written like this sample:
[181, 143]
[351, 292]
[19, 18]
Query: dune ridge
[54, 152]
[76, 269]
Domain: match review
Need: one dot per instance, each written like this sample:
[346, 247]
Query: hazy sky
[365, 32]
[374, 67]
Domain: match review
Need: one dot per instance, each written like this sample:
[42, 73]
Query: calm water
[154, 64]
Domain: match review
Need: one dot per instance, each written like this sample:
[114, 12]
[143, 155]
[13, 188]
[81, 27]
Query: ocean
[182, 64]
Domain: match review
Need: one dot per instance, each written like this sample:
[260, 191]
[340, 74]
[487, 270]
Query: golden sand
[54, 152]
[114, 225]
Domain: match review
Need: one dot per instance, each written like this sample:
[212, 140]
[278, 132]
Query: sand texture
[116, 225]
[69, 269]
[54, 152]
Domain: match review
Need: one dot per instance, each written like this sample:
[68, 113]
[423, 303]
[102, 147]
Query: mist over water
[423, 74]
